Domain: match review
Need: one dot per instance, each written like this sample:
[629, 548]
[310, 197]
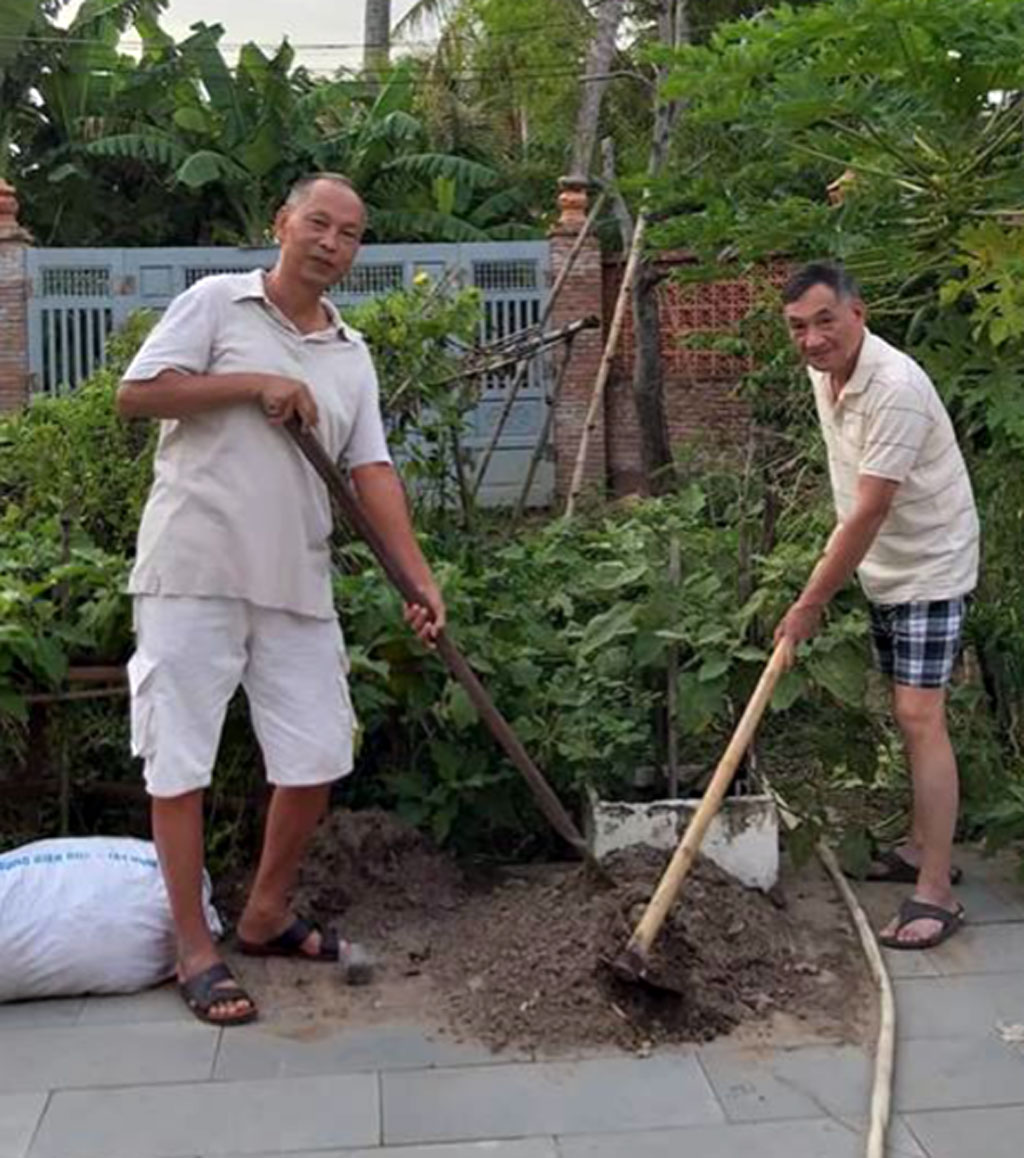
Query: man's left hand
[427, 619]
[800, 623]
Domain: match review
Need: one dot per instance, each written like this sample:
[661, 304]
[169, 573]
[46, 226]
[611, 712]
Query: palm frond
[468, 174]
[142, 145]
[421, 225]
[205, 167]
[423, 15]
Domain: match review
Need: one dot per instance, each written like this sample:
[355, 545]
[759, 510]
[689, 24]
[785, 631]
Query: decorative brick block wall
[701, 400]
[580, 297]
[13, 304]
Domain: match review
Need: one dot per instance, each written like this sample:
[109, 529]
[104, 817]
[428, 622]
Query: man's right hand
[281, 398]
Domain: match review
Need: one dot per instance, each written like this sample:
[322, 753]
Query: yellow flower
[422, 278]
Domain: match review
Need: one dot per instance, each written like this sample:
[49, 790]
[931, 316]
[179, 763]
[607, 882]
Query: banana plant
[248, 134]
[24, 31]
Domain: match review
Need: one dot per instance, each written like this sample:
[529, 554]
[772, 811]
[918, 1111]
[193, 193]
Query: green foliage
[911, 110]
[73, 461]
[569, 625]
[415, 336]
[178, 147]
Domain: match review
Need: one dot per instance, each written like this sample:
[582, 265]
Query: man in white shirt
[231, 583]
[906, 523]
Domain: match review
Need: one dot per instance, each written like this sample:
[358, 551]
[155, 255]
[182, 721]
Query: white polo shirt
[235, 510]
[890, 422]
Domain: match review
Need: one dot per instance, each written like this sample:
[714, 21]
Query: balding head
[320, 227]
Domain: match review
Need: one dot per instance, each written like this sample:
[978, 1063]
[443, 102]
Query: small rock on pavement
[357, 964]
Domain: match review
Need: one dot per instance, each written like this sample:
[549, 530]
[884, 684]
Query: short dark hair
[827, 273]
[303, 185]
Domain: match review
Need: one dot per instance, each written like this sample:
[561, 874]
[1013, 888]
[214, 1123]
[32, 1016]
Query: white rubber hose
[885, 1046]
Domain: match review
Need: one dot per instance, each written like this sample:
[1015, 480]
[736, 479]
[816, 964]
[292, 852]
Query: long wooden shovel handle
[657, 909]
[345, 497]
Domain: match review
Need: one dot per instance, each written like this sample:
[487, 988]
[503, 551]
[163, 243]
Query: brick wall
[13, 305]
[702, 404]
[581, 296]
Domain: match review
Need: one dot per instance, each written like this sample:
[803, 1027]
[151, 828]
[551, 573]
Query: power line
[424, 82]
[323, 45]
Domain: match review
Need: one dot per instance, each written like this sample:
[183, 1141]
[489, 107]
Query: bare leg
[178, 835]
[291, 821]
[921, 716]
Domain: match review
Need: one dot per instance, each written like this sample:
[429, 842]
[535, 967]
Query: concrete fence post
[14, 289]
[580, 296]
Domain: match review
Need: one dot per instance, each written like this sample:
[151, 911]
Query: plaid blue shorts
[916, 644]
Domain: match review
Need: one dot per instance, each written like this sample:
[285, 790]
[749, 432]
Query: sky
[304, 22]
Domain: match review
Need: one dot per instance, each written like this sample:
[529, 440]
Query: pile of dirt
[372, 860]
[519, 959]
[529, 962]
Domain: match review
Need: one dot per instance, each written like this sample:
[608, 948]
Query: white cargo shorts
[192, 653]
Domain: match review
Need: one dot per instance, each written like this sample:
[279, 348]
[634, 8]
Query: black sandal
[290, 942]
[205, 991]
[912, 910]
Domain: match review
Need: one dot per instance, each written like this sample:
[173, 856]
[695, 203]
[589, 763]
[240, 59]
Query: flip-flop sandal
[894, 869]
[203, 992]
[912, 910]
[290, 942]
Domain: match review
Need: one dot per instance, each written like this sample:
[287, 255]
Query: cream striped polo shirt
[890, 422]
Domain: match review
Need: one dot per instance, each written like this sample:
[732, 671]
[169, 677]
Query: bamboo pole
[523, 367]
[545, 432]
[674, 575]
[604, 370]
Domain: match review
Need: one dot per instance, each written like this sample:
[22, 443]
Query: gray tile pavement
[63, 1058]
[137, 1077]
[19, 1117]
[615, 1094]
[211, 1118]
[261, 1052]
[996, 1132]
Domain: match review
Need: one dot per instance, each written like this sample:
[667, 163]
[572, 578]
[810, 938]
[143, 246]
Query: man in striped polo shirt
[906, 523]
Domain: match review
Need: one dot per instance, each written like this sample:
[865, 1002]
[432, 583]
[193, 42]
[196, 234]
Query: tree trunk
[648, 382]
[376, 37]
[599, 58]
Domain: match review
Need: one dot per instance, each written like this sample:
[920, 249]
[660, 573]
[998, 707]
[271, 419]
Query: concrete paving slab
[993, 1133]
[985, 903]
[259, 1051]
[999, 871]
[954, 1073]
[211, 1118]
[901, 964]
[19, 1117]
[981, 949]
[36, 1014]
[163, 1004]
[604, 1094]
[968, 1006]
[53, 1059]
[834, 1079]
[515, 1148]
[748, 1087]
[809, 1138]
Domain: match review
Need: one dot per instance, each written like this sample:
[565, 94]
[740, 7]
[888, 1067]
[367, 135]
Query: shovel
[633, 962]
[345, 498]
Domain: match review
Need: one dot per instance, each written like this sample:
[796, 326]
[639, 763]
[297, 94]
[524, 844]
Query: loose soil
[516, 957]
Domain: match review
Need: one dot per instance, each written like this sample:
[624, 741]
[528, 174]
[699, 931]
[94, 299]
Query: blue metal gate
[80, 296]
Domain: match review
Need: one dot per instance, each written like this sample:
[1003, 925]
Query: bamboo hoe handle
[668, 887]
